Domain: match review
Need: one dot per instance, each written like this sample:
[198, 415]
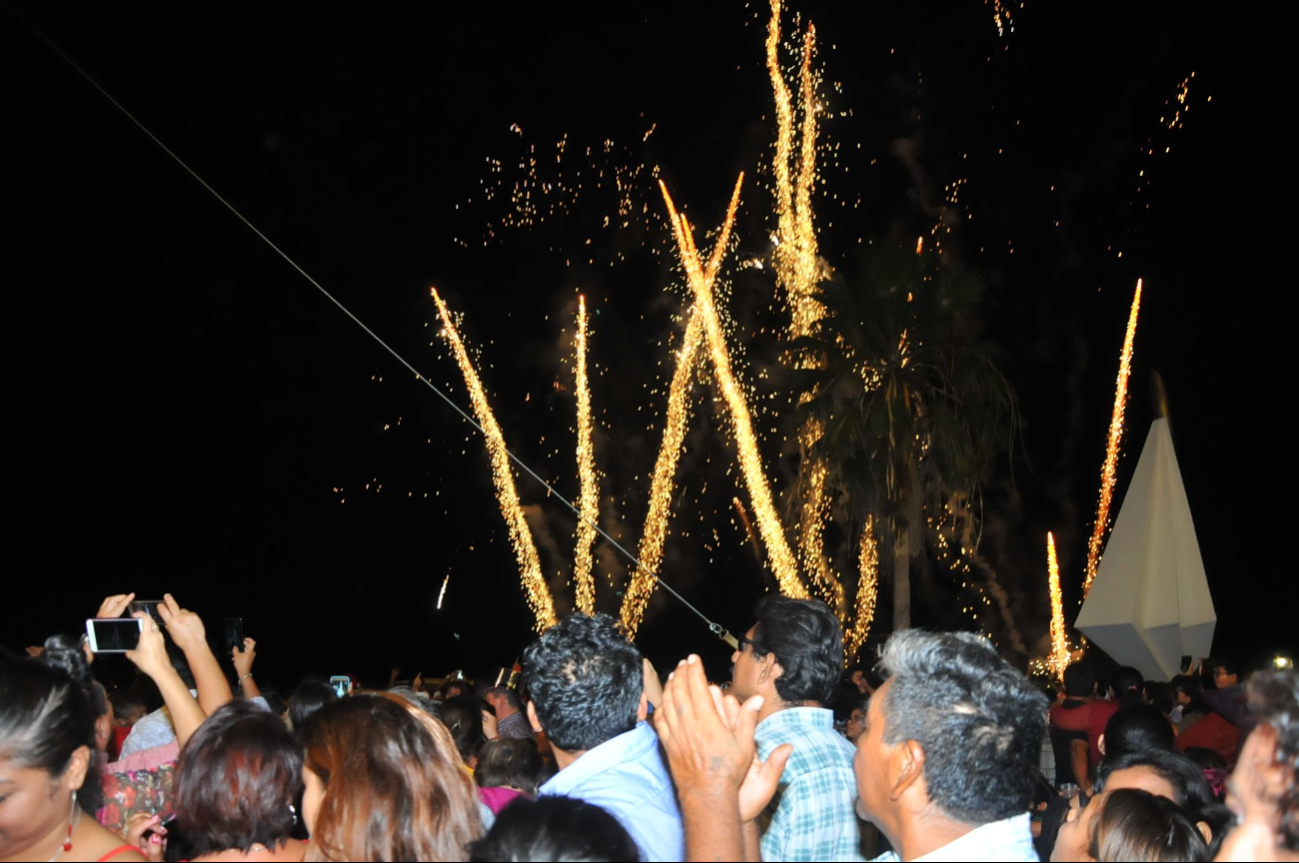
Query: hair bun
[65, 653]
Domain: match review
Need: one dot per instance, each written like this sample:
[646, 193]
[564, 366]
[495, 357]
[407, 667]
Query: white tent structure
[1149, 605]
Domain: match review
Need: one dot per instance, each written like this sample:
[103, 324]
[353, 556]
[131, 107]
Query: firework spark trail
[1059, 657]
[525, 551]
[782, 560]
[1110, 469]
[589, 493]
[674, 434]
[868, 562]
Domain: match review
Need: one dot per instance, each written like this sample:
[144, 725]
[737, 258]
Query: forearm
[1079, 763]
[752, 840]
[213, 688]
[712, 823]
[186, 714]
[248, 684]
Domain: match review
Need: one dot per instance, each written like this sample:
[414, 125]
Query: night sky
[189, 415]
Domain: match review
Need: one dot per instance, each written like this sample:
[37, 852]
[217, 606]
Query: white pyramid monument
[1149, 604]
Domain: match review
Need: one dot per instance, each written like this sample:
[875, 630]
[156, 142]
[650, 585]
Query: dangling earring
[294, 812]
[67, 843]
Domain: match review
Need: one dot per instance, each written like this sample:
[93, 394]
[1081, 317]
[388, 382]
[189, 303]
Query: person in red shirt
[1092, 717]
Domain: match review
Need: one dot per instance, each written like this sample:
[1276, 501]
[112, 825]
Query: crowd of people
[935, 753]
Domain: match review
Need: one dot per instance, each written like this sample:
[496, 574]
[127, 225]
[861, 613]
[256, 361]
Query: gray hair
[979, 721]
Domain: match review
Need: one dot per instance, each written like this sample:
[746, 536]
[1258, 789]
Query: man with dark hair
[1070, 747]
[585, 686]
[793, 657]
[948, 762]
[510, 719]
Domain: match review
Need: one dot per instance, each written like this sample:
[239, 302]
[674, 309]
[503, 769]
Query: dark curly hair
[585, 680]
[1274, 699]
[979, 721]
[806, 638]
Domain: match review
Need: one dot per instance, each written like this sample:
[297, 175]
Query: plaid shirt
[813, 815]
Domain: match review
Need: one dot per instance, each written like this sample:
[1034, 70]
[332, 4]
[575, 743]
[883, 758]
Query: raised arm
[187, 631]
[243, 661]
[150, 656]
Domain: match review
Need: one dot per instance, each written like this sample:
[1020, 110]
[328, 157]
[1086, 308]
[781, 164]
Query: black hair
[508, 694]
[554, 828]
[129, 699]
[1137, 728]
[807, 641]
[510, 762]
[235, 780]
[979, 721]
[585, 680]
[309, 697]
[1228, 664]
[1080, 679]
[48, 713]
[1160, 696]
[1138, 825]
[1190, 789]
[463, 717]
[844, 699]
[1126, 682]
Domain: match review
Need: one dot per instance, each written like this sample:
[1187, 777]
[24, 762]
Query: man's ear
[1205, 831]
[1100, 743]
[532, 718]
[906, 766]
[771, 669]
[642, 709]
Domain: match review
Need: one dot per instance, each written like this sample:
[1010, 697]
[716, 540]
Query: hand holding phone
[113, 635]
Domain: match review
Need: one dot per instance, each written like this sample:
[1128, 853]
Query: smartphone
[342, 684]
[148, 606]
[1186, 662]
[114, 635]
[234, 634]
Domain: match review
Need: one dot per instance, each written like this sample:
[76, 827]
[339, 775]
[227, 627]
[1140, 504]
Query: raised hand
[150, 655]
[185, 626]
[113, 606]
[243, 659]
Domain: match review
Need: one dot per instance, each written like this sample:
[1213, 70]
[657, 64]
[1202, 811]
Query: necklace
[74, 818]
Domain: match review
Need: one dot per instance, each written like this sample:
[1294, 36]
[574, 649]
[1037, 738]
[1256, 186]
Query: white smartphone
[114, 634]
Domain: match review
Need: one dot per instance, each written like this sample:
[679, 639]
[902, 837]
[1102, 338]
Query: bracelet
[249, 674]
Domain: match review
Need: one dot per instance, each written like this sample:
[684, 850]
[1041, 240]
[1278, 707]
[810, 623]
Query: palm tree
[914, 408]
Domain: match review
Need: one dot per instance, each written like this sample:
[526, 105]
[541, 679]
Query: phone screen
[234, 632]
[341, 684]
[115, 636]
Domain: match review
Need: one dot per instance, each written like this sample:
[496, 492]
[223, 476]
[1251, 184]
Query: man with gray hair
[947, 762]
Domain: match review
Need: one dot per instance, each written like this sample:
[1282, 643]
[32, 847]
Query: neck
[926, 832]
[50, 844]
[564, 758]
[505, 711]
[772, 704]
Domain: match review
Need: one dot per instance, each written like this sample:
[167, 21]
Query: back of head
[1137, 728]
[306, 700]
[394, 788]
[807, 641]
[1126, 683]
[1274, 700]
[979, 721]
[1080, 680]
[1160, 696]
[1139, 826]
[238, 775]
[511, 697]
[1191, 790]
[47, 713]
[463, 717]
[509, 762]
[555, 828]
[585, 680]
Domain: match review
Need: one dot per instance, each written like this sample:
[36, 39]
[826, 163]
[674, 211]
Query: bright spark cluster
[868, 566]
[782, 560]
[525, 551]
[1060, 655]
[1109, 470]
[650, 552]
[589, 493]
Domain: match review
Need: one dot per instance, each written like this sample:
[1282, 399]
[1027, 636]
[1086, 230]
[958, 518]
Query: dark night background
[184, 407]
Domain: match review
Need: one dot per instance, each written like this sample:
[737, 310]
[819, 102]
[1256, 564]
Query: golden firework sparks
[868, 565]
[1110, 469]
[525, 552]
[1059, 658]
[588, 492]
[782, 560]
[650, 552]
